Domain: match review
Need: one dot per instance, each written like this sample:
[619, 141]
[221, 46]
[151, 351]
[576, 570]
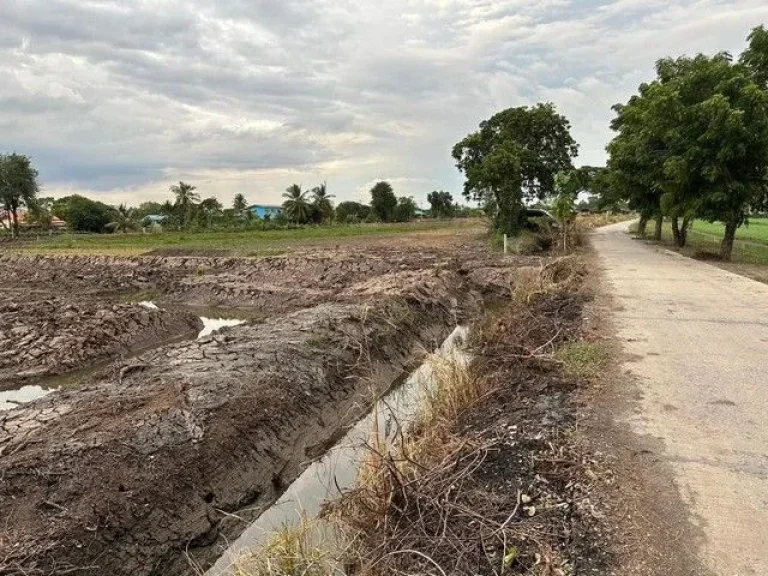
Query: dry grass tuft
[561, 275]
[294, 551]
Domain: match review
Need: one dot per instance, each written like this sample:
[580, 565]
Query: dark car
[535, 218]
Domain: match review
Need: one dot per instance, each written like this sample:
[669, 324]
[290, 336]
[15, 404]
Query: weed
[299, 550]
[560, 275]
[583, 360]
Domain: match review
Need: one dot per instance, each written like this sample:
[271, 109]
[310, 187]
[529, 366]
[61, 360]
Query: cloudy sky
[118, 99]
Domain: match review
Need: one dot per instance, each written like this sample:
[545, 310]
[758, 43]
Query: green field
[236, 242]
[751, 245]
[755, 231]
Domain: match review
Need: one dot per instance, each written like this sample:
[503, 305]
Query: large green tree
[441, 204]
[514, 157]
[296, 207]
[18, 186]
[383, 202]
[83, 214]
[239, 203]
[352, 212]
[694, 143]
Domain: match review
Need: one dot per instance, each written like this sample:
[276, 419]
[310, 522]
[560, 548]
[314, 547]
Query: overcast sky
[118, 99]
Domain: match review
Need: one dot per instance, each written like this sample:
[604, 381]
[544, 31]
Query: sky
[117, 100]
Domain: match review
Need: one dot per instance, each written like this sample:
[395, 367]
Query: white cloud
[118, 100]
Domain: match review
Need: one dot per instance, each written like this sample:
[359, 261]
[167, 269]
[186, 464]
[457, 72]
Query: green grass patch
[236, 242]
[583, 360]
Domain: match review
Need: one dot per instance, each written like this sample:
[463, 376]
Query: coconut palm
[125, 219]
[322, 201]
[186, 197]
[296, 207]
[239, 204]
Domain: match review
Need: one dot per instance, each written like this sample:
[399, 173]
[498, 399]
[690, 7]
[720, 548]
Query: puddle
[211, 325]
[337, 470]
[13, 398]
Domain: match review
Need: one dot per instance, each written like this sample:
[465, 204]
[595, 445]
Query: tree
[239, 203]
[322, 201]
[210, 208]
[296, 208]
[125, 219]
[755, 57]
[186, 198]
[513, 157]
[39, 213]
[349, 212]
[83, 214]
[441, 204]
[568, 185]
[405, 209]
[383, 202]
[18, 186]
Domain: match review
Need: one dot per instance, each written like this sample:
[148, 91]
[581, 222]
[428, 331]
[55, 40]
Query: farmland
[234, 242]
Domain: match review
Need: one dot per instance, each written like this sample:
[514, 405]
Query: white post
[505, 243]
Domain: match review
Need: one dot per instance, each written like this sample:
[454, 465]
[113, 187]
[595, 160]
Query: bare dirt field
[167, 445]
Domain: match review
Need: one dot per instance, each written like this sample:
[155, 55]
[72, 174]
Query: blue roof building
[262, 211]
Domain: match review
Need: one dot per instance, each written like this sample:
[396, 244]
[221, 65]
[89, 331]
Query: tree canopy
[383, 201]
[514, 157]
[441, 204]
[18, 186]
[694, 142]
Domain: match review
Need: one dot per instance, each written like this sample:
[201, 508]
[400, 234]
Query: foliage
[239, 203]
[352, 212]
[513, 157]
[83, 214]
[694, 142]
[321, 200]
[186, 198]
[18, 186]
[383, 202]
[755, 57]
[296, 207]
[125, 219]
[441, 204]
[405, 209]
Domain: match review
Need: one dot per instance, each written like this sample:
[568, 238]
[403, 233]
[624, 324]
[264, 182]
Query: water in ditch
[337, 469]
[22, 395]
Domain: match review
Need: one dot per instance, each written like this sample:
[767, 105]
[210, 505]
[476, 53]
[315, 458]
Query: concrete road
[697, 339]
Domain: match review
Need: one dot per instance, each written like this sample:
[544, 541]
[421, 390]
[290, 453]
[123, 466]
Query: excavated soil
[152, 465]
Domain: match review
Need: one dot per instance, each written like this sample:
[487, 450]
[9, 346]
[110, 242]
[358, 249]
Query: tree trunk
[642, 226]
[657, 229]
[676, 230]
[15, 230]
[726, 247]
[683, 240]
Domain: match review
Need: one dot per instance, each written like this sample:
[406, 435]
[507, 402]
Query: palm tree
[296, 207]
[125, 219]
[186, 197]
[322, 201]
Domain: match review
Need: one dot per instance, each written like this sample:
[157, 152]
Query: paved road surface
[698, 339]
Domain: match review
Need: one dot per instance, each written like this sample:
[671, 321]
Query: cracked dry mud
[171, 453]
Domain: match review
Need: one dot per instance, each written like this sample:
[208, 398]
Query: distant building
[23, 219]
[419, 213]
[154, 219]
[261, 211]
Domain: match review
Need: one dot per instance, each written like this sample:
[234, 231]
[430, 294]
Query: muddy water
[337, 469]
[15, 397]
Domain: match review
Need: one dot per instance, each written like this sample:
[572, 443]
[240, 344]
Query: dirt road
[696, 337]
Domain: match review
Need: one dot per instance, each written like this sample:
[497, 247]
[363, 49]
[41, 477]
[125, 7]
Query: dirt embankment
[177, 449]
